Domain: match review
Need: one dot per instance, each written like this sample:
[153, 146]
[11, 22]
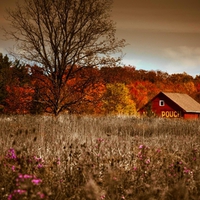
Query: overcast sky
[162, 34]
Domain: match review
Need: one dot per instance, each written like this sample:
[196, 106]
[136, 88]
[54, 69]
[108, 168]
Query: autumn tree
[59, 35]
[117, 74]
[82, 92]
[19, 99]
[117, 100]
[90, 94]
[142, 91]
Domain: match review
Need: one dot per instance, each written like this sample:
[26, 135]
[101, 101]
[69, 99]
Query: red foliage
[83, 90]
[19, 99]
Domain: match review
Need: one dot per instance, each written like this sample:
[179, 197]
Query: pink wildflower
[134, 168]
[11, 154]
[140, 155]
[40, 166]
[27, 176]
[187, 171]
[36, 181]
[147, 161]
[158, 150]
[41, 195]
[13, 168]
[100, 140]
[20, 191]
[10, 196]
[58, 161]
[20, 176]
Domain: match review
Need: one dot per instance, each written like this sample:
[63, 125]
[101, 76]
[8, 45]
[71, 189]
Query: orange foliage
[83, 90]
[19, 99]
[142, 92]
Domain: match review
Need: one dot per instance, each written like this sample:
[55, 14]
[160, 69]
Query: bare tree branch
[60, 34]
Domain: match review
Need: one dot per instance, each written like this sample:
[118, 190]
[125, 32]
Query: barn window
[161, 103]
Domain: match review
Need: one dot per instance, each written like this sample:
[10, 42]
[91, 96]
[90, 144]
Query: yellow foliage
[117, 100]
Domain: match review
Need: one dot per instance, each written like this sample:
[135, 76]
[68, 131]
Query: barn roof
[186, 102]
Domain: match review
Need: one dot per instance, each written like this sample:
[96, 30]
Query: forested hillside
[25, 89]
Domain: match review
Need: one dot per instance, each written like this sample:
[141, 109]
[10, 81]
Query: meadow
[99, 158]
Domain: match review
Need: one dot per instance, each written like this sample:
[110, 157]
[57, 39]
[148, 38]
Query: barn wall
[169, 110]
[191, 116]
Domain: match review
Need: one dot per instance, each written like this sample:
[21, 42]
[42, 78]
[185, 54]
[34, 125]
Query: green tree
[117, 100]
[5, 77]
[60, 35]
[12, 74]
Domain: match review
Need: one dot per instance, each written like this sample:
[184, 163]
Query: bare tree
[59, 35]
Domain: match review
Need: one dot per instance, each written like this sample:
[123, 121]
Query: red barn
[172, 105]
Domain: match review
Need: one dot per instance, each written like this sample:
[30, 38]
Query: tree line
[76, 58]
[26, 89]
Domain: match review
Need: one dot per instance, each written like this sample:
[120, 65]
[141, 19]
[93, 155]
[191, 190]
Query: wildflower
[41, 195]
[147, 161]
[140, 155]
[36, 181]
[26, 176]
[10, 196]
[187, 171]
[20, 176]
[58, 161]
[40, 166]
[100, 140]
[11, 154]
[134, 168]
[13, 168]
[103, 197]
[158, 150]
[20, 191]
[141, 146]
[38, 159]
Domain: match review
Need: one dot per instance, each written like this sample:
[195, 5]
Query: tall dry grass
[111, 158]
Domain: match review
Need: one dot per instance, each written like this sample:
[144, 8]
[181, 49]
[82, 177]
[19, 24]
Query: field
[96, 158]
